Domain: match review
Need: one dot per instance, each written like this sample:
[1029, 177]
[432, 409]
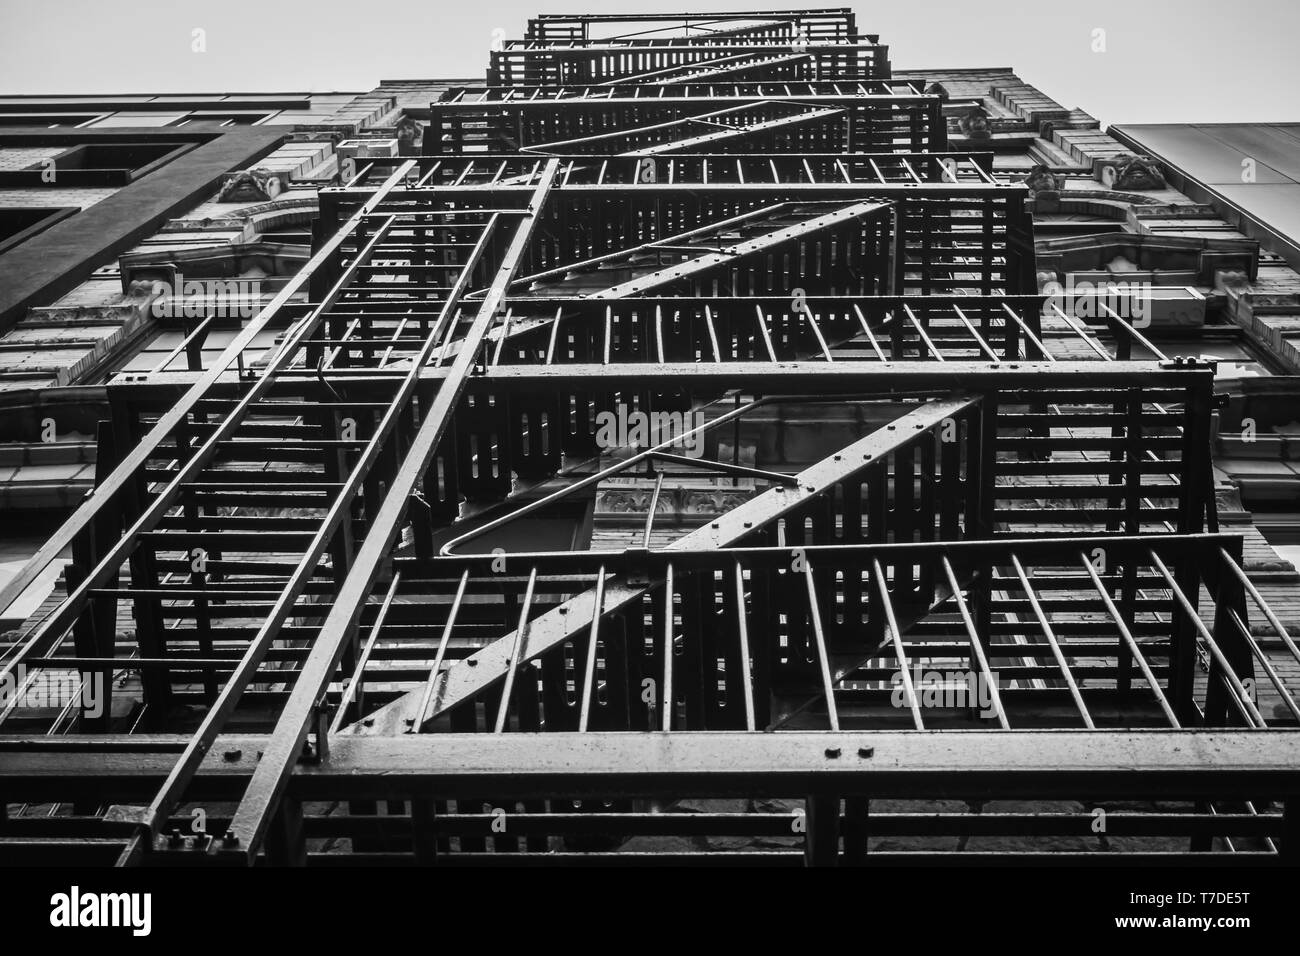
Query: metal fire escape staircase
[741, 218]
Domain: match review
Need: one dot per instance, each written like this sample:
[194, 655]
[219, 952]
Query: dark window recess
[1060, 228]
[97, 164]
[226, 118]
[45, 119]
[300, 237]
[20, 224]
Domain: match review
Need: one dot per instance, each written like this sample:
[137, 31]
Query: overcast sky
[1164, 60]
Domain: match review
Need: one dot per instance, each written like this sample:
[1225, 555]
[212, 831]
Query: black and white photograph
[667, 438]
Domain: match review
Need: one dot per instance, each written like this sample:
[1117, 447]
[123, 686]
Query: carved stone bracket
[250, 185]
[1131, 173]
[975, 124]
[1041, 180]
[409, 134]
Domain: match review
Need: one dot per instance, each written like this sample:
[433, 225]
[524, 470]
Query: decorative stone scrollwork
[674, 503]
[623, 502]
[1139, 173]
[1225, 279]
[250, 185]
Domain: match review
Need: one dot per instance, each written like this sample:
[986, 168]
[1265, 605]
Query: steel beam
[1024, 764]
[794, 377]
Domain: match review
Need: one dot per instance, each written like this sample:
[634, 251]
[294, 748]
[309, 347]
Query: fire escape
[951, 567]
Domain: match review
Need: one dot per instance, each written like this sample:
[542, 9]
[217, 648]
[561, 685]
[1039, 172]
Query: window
[225, 117]
[142, 118]
[1235, 357]
[19, 225]
[48, 120]
[98, 164]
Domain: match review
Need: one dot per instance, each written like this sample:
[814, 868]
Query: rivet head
[866, 751]
[833, 752]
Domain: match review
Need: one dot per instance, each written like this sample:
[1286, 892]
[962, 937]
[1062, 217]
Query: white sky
[1165, 60]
